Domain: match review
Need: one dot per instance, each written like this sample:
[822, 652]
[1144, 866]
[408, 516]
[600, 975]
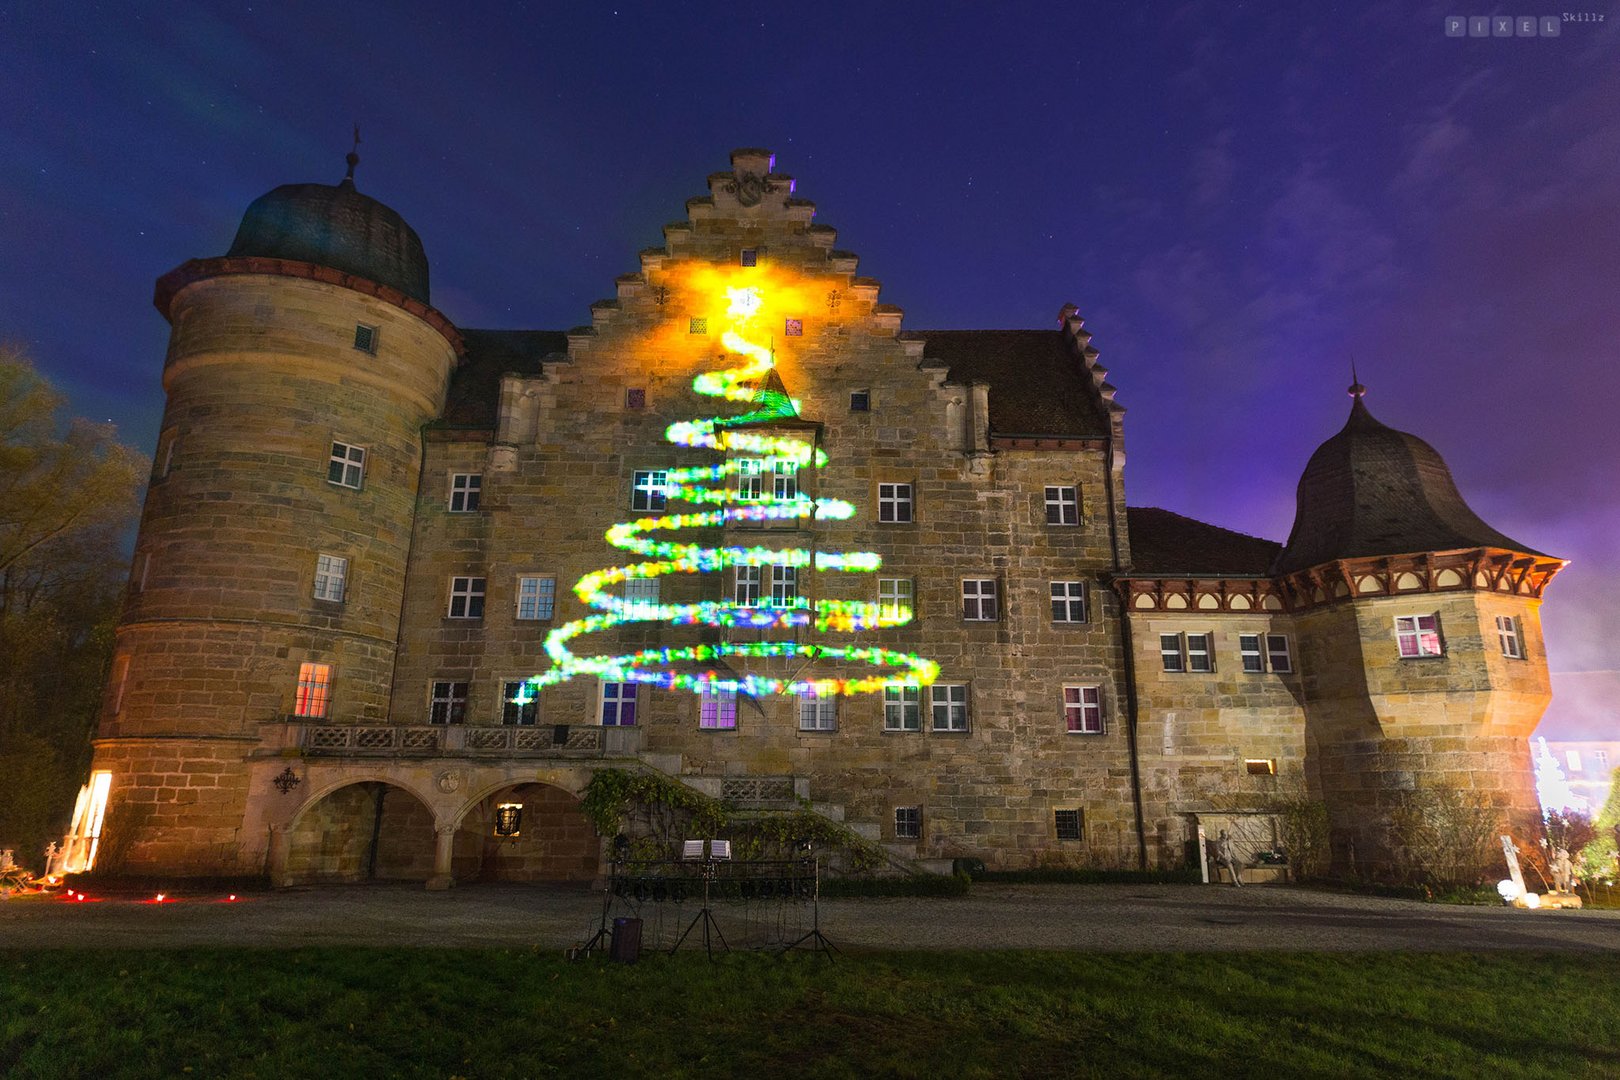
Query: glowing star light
[719, 500]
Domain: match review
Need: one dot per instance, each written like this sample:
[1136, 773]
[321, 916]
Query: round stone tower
[1420, 633]
[270, 565]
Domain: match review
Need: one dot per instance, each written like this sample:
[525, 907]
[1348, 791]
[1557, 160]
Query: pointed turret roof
[1372, 491]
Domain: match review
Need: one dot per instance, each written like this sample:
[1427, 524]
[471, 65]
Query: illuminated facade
[407, 584]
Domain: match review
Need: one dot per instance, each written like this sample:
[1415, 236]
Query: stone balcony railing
[455, 740]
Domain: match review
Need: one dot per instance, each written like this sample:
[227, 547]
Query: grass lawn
[444, 1013]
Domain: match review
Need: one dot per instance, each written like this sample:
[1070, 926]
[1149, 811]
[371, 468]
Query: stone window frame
[1063, 604]
[466, 490]
[312, 693]
[747, 584]
[957, 704]
[331, 581]
[784, 581]
[1273, 652]
[978, 599]
[342, 462]
[467, 593]
[895, 593]
[784, 473]
[1069, 823]
[120, 680]
[1426, 642]
[1509, 638]
[908, 823]
[649, 491]
[366, 336]
[902, 703]
[642, 592]
[169, 439]
[751, 479]
[614, 698]
[817, 712]
[511, 712]
[1062, 502]
[717, 710]
[899, 503]
[1082, 716]
[860, 401]
[447, 701]
[1177, 654]
[544, 600]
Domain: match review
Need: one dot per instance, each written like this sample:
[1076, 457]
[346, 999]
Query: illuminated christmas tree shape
[753, 449]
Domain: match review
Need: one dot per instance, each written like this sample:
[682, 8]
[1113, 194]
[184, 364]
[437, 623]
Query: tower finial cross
[1356, 389]
[353, 157]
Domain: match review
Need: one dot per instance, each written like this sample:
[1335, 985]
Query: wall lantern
[508, 818]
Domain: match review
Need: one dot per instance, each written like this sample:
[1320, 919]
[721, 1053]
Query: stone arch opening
[369, 830]
[555, 840]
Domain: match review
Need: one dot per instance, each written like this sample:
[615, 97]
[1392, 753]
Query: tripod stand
[602, 936]
[818, 941]
[705, 916]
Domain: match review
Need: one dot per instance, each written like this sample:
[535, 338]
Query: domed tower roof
[1372, 491]
[335, 226]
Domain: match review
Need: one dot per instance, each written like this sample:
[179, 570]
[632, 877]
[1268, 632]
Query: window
[168, 456]
[1260, 766]
[1507, 634]
[793, 327]
[950, 701]
[1069, 601]
[894, 502]
[1170, 652]
[1200, 656]
[536, 597]
[1278, 654]
[1600, 758]
[649, 490]
[348, 465]
[750, 480]
[466, 598]
[314, 690]
[1573, 758]
[464, 491]
[697, 325]
[642, 594]
[895, 596]
[1070, 824]
[818, 712]
[619, 704]
[1062, 506]
[520, 704]
[1254, 661]
[979, 599]
[1417, 635]
[1082, 710]
[635, 397]
[717, 710]
[143, 566]
[750, 256]
[860, 401]
[785, 483]
[747, 592]
[902, 708]
[448, 704]
[331, 574]
[365, 338]
[119, 679]
[908, 823]
[784, 585]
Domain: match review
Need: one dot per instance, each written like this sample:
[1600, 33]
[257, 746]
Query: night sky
[1240, 202]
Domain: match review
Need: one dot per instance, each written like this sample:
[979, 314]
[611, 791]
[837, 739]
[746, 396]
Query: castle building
[364, 523]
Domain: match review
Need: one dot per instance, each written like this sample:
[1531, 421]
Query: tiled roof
[334, 225]
[1371, 491]
[1172, 545]
[1038, 385]
[475, 386]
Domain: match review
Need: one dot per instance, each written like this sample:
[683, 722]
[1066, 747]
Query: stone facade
[214, 773]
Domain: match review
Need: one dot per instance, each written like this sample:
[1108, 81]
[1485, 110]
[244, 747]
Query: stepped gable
[334, 225]
[474, 396]
[1167, 544]
[1371, 491]
[1039, 387]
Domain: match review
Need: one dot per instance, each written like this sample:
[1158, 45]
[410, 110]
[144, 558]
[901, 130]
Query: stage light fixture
[692, 849]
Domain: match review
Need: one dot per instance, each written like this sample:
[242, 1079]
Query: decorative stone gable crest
[750, 188]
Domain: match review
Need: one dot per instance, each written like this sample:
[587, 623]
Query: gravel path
[1101, 918]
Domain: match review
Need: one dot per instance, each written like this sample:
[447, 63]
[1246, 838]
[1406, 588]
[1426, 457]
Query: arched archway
[369, 830]
[555, 840]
